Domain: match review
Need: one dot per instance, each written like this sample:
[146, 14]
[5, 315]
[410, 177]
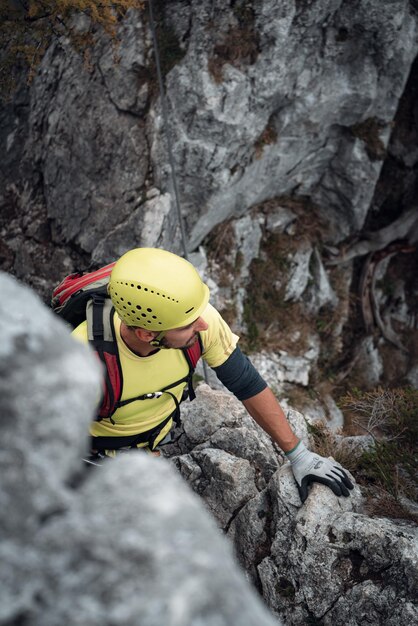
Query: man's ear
[145, 335]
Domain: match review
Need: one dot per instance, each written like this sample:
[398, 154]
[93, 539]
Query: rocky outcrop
[289, 132]
[325, 562]
[264, 100]
[127, 543]
[280, 115]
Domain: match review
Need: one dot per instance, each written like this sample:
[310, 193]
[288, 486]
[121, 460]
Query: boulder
[311, 562]
[125, 543]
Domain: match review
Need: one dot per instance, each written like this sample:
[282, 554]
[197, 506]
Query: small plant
[389, 412]
[267, 138]
[239, 46]
[323, 443]
[389, 471]
[369, 132]
[27, 28]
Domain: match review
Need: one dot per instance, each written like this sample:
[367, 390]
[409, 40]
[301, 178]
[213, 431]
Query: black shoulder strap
[101, 335]
[99, 314]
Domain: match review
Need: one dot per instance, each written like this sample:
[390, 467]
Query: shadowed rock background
[294, 135]
[293, 127]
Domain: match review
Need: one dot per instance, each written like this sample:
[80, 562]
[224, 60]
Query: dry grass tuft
[388, 472]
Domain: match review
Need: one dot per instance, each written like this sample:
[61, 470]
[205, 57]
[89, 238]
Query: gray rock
[248, 236]
[298, 275]
[148, 555]
[316, 95]
[46, 379]
[355, 445]
[412, 376]
[142, 228]
[284, 367]
[226, 483]
[48, 389]
[349, 561]
[91, 148]
[320, 293]
[218, 420]
[310, 562]
[278, 119]
[279, 219]
[369, 362]
[323, 409]
[122, 544]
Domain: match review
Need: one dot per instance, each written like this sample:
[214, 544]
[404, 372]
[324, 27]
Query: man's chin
[189, 344]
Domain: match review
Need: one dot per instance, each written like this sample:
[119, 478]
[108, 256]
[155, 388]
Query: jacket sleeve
[239, 375]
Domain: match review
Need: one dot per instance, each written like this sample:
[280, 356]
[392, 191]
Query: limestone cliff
[293, 126]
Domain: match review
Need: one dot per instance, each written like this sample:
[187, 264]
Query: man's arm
[307, 466]
[268, 414]
[239, 376]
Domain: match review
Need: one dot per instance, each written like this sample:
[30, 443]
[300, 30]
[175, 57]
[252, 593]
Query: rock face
[290, 132]
[278, 113]
[325, 562]
[127, 543]
[264, 100]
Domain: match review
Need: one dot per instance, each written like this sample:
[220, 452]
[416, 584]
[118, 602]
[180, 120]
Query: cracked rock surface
[324, 562]
[124, 544]
[264, 99]
[305, 110]
[130, 543]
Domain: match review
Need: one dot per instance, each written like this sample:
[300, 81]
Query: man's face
[185, 336]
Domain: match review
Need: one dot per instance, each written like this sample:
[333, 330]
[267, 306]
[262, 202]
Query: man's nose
[200, 324]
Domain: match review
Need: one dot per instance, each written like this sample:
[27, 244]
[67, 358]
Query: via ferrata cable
[169, 144]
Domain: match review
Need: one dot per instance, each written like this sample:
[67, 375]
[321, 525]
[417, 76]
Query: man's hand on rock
[309, 467]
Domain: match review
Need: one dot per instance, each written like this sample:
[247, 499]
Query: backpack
[81, 296]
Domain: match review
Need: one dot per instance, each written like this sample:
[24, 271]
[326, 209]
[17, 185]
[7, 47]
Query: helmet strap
[157, 341]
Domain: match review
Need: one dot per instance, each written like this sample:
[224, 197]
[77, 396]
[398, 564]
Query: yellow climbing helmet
[156, 289]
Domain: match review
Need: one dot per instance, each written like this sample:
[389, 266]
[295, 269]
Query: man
[161, 307]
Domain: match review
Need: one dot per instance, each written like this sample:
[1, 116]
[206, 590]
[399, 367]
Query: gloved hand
[309, 467]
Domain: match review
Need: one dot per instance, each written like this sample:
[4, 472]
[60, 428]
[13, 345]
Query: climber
[161, 308]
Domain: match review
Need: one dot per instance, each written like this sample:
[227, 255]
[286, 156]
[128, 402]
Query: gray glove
[309, 467]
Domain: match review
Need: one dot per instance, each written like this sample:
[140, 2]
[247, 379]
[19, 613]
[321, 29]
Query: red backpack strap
[192, 356]
[101, 334]
[194, 353]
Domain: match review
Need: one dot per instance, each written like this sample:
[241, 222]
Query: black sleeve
[239, 375]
